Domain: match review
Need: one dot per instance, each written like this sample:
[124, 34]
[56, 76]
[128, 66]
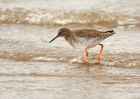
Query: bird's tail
[111, 32]
[108, 33]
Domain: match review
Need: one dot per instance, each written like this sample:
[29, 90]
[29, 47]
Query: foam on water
[32, 68]
[56, 18]
[63, 12]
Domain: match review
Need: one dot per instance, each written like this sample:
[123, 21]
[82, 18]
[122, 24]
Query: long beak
[54, 38]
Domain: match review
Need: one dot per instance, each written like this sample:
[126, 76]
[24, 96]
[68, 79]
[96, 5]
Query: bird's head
[63, 32]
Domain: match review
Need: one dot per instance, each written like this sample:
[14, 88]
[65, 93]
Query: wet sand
[31, 68]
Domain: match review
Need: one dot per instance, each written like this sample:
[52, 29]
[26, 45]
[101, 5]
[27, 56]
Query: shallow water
[31, 68]
[72, 13]
[53, 80]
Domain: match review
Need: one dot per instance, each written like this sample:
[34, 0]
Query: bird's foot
[99, 61]
[86, 62]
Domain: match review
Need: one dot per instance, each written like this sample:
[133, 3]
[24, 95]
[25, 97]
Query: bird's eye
[60, 31]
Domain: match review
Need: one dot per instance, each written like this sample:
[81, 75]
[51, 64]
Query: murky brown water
[32, 68]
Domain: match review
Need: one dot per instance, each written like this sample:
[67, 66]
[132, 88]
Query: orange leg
[86, 55]
[100, 53]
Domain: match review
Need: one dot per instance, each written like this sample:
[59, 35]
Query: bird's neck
[71, 39]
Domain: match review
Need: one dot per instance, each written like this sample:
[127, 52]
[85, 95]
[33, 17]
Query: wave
[54, 74]
[116, 59]
[59, 18]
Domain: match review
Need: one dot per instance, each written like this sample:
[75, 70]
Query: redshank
[86, 38]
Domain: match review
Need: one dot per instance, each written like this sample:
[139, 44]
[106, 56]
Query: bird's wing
[90, 33]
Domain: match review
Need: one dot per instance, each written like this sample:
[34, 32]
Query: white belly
[87, 43]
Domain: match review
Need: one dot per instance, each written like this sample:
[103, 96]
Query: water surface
[32, 68]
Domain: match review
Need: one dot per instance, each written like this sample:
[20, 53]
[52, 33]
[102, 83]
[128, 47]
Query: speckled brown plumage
[73, 36]
[85, 38]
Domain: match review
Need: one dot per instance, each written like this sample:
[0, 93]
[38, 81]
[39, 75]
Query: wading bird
[87, 38]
